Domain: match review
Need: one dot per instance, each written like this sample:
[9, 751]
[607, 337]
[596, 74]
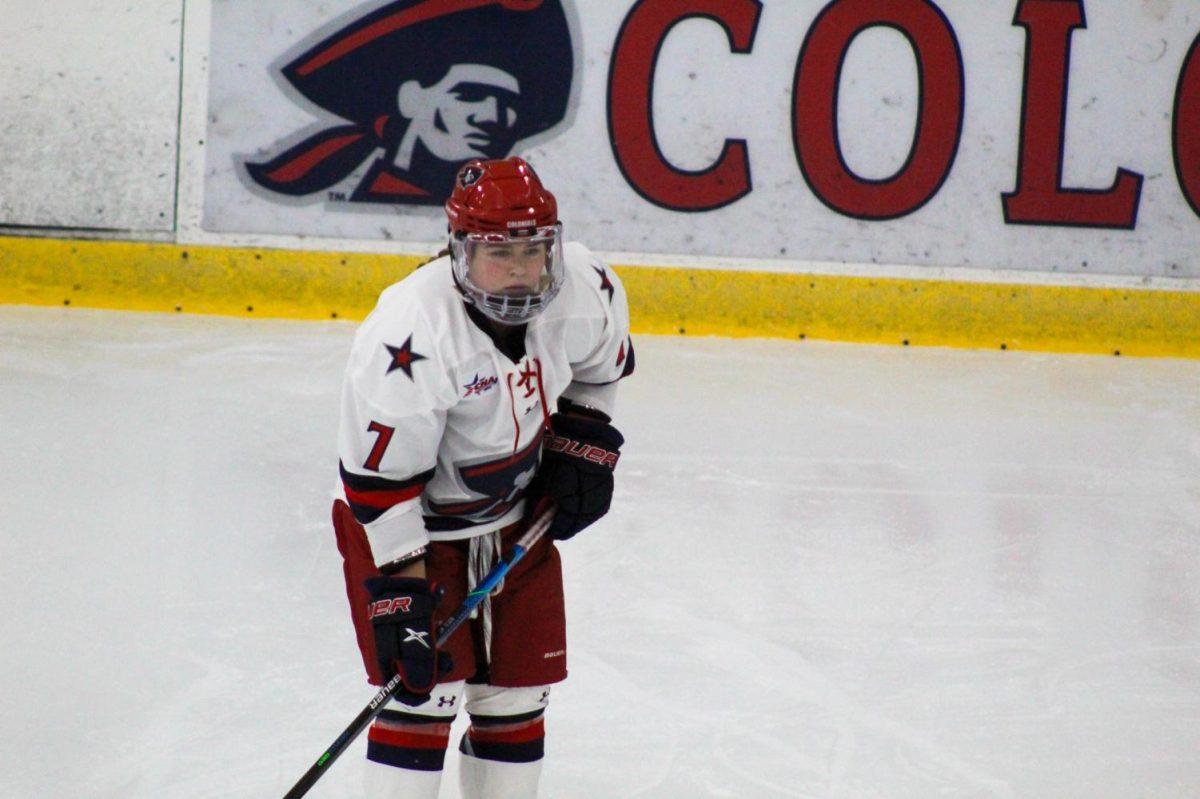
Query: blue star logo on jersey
[605, 283]
[403, 357]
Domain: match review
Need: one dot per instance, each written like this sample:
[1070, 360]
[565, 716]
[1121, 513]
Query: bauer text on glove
[401, 614]
[578, 458]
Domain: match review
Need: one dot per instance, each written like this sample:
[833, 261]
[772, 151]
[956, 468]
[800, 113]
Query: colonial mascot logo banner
[431, 84]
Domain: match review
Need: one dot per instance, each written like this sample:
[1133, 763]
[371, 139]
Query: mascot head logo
[431, 83]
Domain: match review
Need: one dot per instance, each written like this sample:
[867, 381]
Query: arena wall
[1020, 174]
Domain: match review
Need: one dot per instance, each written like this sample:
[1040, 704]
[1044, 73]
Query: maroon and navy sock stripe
[409, 740]
[370, 497]
[508, 739]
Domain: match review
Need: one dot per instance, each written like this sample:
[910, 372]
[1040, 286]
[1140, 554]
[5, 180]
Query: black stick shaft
[364, 717]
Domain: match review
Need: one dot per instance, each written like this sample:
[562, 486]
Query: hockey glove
[576, 474]
[401, 614]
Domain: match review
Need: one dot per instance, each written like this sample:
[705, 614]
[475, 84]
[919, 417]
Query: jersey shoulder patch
[592, 287]
[402, 341]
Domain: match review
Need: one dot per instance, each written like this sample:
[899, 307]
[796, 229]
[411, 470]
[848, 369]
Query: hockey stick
[444, 631]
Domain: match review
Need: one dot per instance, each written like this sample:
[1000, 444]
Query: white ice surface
[831, 571]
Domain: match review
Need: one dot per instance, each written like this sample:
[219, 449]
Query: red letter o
[939, 119]
[1186, 128]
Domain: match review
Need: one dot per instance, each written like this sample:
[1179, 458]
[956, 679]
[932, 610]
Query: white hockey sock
[381, 781]
[406, 747]
[495, 779]
[502, 749]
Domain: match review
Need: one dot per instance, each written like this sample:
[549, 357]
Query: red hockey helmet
[500, 214]
[500, 196]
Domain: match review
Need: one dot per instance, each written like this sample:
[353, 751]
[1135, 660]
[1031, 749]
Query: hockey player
[481, 386]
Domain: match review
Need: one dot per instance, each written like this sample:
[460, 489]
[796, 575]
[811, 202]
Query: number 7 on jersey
[381, 444]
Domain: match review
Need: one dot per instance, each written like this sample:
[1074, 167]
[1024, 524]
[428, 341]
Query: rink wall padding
[296, 284]
[138, 276]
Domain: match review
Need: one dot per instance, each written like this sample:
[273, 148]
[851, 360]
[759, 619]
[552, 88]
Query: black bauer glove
[578, 458]
[401, 614]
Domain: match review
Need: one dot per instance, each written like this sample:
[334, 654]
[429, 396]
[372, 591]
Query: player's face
[469, 113]
[513, 268]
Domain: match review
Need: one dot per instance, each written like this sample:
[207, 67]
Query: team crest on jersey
[479, 385]
[430, 83]
[528, 380]
[496, 483]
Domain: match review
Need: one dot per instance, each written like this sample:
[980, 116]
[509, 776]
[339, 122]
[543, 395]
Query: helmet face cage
[509, 308]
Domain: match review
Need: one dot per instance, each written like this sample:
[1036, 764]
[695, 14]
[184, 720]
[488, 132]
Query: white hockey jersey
[441, 430]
